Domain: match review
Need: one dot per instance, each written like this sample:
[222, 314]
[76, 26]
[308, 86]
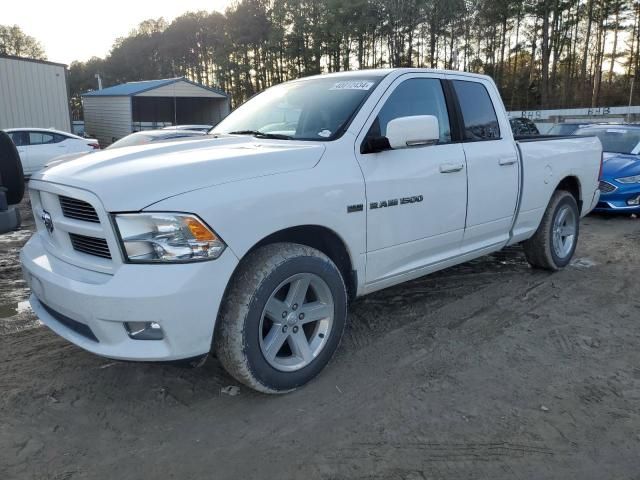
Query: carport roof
[130, 89]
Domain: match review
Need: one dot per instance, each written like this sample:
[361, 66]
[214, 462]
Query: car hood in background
[67, 157]
[618, 165]
[131, 178]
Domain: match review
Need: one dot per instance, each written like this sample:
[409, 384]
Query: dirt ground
[487, 370]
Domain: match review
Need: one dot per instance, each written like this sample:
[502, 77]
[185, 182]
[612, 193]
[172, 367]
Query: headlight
[167, 237]
[632, 179]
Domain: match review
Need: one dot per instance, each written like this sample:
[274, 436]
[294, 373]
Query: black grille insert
[79, 328]
[90, 245]
[78, 210]
[606, 187]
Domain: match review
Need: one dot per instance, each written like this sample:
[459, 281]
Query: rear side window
[57, 138]
[40, 138]
[480, 120]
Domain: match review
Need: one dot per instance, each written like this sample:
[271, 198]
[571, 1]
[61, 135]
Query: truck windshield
[616, 139]
[316, 109]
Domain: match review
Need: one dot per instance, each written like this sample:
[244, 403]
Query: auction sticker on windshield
[353, 85]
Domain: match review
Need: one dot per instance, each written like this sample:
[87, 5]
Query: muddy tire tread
[537, 249]
[229, 333]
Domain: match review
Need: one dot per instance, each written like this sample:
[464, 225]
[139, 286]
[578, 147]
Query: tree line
[13, 41]
[542, 53]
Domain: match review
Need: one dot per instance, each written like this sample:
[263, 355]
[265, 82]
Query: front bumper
[617, 201]
[182, 298]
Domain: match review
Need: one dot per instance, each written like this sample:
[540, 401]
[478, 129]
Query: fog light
[634, 201]
[144, 330]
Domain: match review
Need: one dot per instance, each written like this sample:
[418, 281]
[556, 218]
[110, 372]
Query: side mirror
[406, 132]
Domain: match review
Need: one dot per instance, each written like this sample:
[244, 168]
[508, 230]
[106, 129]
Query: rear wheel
[555, 241]
[282, 318]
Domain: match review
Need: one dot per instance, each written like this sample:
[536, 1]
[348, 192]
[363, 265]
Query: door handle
[451, 167]
[507, 161]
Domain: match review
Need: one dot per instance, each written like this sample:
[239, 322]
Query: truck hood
[618, 165]
[131, 178]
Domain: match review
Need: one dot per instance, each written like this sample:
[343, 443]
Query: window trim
[460, 116]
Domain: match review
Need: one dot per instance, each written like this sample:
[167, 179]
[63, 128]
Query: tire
[11, 174]
[250, 325]
[545, 249]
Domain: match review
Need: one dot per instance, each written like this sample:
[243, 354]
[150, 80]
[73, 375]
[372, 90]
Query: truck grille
[90, 245]
[606, 187]
[78, 210]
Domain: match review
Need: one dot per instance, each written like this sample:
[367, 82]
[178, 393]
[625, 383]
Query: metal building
[113, 112]
[33, 93]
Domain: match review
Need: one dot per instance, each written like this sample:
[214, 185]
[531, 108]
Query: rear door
[44, 147]
[492, 163]
[417, 196]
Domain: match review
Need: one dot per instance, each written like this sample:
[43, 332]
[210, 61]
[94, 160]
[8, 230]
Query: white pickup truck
[250, 241]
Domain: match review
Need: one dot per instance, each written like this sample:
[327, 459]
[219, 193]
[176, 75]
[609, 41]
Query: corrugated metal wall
[107, 118]
[33, 94]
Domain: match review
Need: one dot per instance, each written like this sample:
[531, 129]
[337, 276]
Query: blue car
[620, 181]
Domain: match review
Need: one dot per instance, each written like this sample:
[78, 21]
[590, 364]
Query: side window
[16, 138]
[40, 138]
[57, 138]
[19, 139]
[480, 120]
[416, 96]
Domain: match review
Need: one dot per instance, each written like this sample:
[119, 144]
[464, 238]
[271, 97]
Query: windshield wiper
[259, 134]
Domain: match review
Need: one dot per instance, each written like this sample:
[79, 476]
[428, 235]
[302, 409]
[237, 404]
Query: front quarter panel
[243, 213]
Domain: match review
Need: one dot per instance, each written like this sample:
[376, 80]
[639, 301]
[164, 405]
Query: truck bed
[545, 160]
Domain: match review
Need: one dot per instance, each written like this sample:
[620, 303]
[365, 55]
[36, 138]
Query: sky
[78, 30]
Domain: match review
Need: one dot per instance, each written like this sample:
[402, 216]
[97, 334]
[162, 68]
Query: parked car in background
[198, 128]
[564, 129]
[523, 127]
[150, 136]
[138, 138]
[620, 179]
[252, 240]
[38, 146]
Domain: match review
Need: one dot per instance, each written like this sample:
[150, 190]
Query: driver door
[416, 196]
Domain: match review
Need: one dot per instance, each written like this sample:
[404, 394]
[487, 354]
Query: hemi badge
[355, 208]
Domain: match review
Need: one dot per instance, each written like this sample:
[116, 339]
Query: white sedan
[38, 146]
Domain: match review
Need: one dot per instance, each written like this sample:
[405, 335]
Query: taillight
[95, 146]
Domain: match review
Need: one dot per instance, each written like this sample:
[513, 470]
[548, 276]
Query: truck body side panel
[545, 164]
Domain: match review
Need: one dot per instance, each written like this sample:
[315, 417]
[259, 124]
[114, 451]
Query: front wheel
[282, 318]
[555, 241]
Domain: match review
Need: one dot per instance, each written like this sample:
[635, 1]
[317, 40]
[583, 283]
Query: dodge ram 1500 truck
[250, 242]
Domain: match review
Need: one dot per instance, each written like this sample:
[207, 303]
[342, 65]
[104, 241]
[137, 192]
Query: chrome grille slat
[94, 245]
[606, 187]
[78, 209]
[90, 245]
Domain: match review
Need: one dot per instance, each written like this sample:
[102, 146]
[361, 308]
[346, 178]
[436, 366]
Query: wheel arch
[321, 238]
[571, 184]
